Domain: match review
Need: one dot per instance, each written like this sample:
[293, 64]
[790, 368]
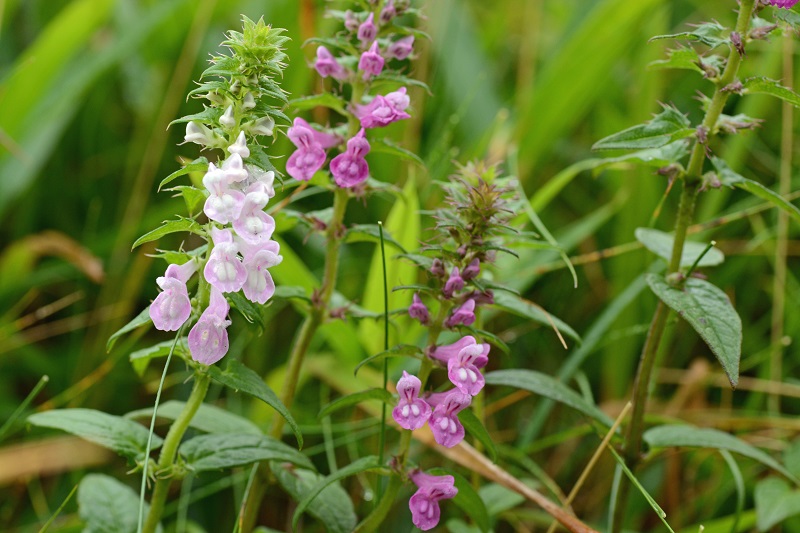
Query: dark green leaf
[467, 498]
[660, 243]
[240, 378]
[382, 395]
[775, 502]
[208, 116]
[260, 159]
[332, 506]
[141, 358]
[124, 436]
[208, 418]
[171, 226]
[215, 452]
[475, 428]
[546, 386]
[524, 308]
[402, 350]
[371, 233]
[712, 34]
[319, 100]
[709, 311]
[386, 146]
[192, 197]
[139, 320]
[198, 165]
[107, 505]
[251, 311]
[666, 127]
[288, 292]
[761, 85]
[398, 80]
[680, 58]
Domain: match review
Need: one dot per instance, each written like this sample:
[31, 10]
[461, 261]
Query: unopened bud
[262, 126]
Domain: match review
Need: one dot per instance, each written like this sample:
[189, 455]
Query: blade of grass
[24, 405]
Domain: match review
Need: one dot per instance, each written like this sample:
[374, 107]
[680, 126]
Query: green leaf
[694, 437]
[467, 498]
[524, 308]
[319, 100]
[259, 158]
[240, 378]
[141, 358]
[370, 233]
[660, 243]
[198, 165]
[288, 292]
[709, 311]
[382, 395]
[711, 34]
[775, 502]
[138, 321]
[732, 179]
[386, 146]
[332, 506]
[106, 505]
[215, 452]
[476, 428]
[400, 350]
[208, 418]
[124, 436]
[762, 85]
[666, 127]
[546, 386]
[364, 464]
[192, 197]
[251, 311]
[682, 57]
[171, 226]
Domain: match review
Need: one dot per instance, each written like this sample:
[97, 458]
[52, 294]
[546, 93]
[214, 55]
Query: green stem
[169, 450]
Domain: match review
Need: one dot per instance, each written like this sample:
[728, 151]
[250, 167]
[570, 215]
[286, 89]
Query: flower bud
[437, 268]
[388, 12]
[197, 133]
[401, 49]
[367, 30]
[261, 126]
[227, 119]
[418, 310]
[249, 102]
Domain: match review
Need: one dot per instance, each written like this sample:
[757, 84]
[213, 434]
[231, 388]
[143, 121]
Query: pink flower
[310, 154]
[418, 310]
[367, 30]
[472, 270]
[383, 110]
[253, 224]
[259, 286]
[454, 283]
[327, 65]
[234, 170]
[224, 270]
[463, 369]
[388, 12]
[411, 411]
[224, 204]
[371, 62]
[350, 168]
[463, 315]
[447, 429]
[208, 339]
[172, 307]
[450, 351]
[782, 3]
[424, 504]
[401, 49]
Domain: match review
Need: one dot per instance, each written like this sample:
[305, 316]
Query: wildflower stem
[382, 441]
[170, 449]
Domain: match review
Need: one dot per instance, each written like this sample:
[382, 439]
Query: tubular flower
[367, 30]
[259, 286]
[782, 3]
[240, 146]
[253, 224]
[208, 339]
[401, 49]
[384, 110]
[172, 307]
[424, 504]
[463, 315]
[463, 369]
[371, 62]
[224, 270]
[447, 429]
[223, 204]
[418, 310]
[310, 154]
[326, 65]
[411, 411]
[472, 270]
[448, 352]
[350, 168]
[454, 283]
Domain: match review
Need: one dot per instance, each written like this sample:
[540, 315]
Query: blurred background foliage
[87, 88]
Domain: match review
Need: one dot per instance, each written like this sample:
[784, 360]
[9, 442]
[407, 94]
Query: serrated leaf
[549, 387]
[138, 321]
[386, 146]
[712, 34]
[364, 464]
[660, 243]
[319, 100]
[709, 311]
[694, 437]
[762, 85]
[524, 308]
[476, 428]
[731, 178]
[240, 378]
[171, 226]
[192, 197]
[381, 395]
[775, 502]
[208, 418]
[251, 311]
[467, 498]
[668, 126]
[215, 452]
[198, 165]
[401, 350]
[679, 58]
[209, 115]
[288, 292]
[124, 436]
[106, 504]
[259, 158]
[332, 506]
[141, 358]
[370, 233]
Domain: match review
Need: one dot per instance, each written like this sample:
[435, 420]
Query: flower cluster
[367, 44]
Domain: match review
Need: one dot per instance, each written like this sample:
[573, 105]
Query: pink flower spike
[447, 429]
[367, 30]
[350, 168]
[401, 49]
[418, 310]
[463, 370]
[463, 315]
[172, 306]
[234, 170]
[411, 411]
[224, 270]
[454, 284]
[223, 204]
[371, 62]
[326, 65]
[424, 504]
[782, 3]
[208, 339]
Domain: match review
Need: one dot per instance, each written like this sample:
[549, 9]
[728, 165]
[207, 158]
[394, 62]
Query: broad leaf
[467, 498]
[711, 34]
[251, 311]
[141, 358]
[666, 127]
[106, 505]
[524, 308]
[139, 320]
[198, 165]
[208, 418]
[660, 243]
[332, 506]
[775, 502]
[240, 378]
[694, 437]
[546, 386]
[122, 435]
[382, 395]
[171, 226]
[476, 428]
[386, 146]
[709, 311]
[193, 197]
[761, 85]
[687, 58]
[214, 452]
[319, 100]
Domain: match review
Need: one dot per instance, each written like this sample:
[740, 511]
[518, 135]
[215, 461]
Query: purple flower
[224, 270]
[401, 49]
[424, 504]
[350, 168]
[454, 283]
[447, 429]
[371, 61]
[223, 204]
[253, 224]
[472, 270]
[327, 65]
[310, 154]
[411, 411]
[367, 30]
[782, 3]
[208, 339]
[350, 21]
[418, 310]
[388, 12]
[399, 99]
[437, 268]
[451, 351]
[463, 369]
[383, 110]
[172, 307]
[463, 315]
[259, 286]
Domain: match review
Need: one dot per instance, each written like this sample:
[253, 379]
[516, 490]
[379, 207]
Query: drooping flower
[259, 286]
[472, 270]
[224, 270]
[388, 12]
[383, 110]
[418, 310]
[463, 315]
[326, 65]
[454, 283]
[223, 204]
[172, 307]
[411, 411]
[445, 425]
[208, 339]
[367, 30]
[424, 504]
[253, 224]
[371, 62]
[447, 352]
[782, 3]
[350, 168]
[310, 154]
[402, 48]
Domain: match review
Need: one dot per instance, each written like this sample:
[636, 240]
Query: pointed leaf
[215, 452]
[467, 498]
[476, 428]
[208, 418]
[139, 320]
[382, 395]
[198, 165]
[660, 243]
[711, 34]
[370, 233]
[666, 127]
[141, 358]
[386, 146]
[171, 226]
[524, 308]
[106, 504]
[193, 197]
[400, 350]
[319, 100]
[709, 311]
[775, 502]
[761, 85]
[332, 506]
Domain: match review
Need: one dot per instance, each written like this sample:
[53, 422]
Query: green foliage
[668, 126]
[332, 506]
[381, 395]
[660, 243]
[208, 418]
[775, 502]
[215, 452]
[108, 505]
